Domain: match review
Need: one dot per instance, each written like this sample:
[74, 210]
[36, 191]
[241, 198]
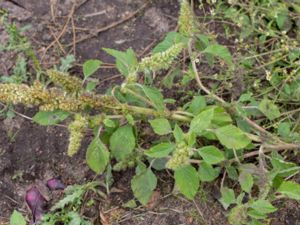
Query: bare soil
[31, 154]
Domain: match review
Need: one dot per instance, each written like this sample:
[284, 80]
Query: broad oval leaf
[284, 129]
[228, 197]
[232, 137]
[211, 154]
[202, 121]
[187, 181]
[161, 150]
[97, 156]
[256, 215]
[246, 181]
[17, 219]
[207, 172]
[219, 51]
[46, 118]
[161, 126]
[290, 189]
[178, 133]
[155, 96]
[221, 117]
[109, 123]
[143, 185]
[263, 206]
[90, 67]
[122, 142]
[238, 215]
[90, 86]
[269, 109]
[197, 105]
[125, 61]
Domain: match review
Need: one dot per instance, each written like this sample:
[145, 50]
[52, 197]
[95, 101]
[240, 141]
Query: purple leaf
[55, 184]
[36, 202]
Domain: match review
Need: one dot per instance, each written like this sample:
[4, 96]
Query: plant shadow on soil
[31, 154]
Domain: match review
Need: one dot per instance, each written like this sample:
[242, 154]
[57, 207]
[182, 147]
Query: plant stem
[197, 76]
[152, 112]
[184, 113]
[219, 99]
[268, 148]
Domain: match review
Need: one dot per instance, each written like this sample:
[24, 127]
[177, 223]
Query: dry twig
[117, 23]
[62, 31]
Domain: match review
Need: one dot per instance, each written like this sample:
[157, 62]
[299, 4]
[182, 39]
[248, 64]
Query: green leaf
[201, 44]
[186, 79]
[143, 185]
[97, 156]
[170, 39]
[75, 218]
[90, 86]
[294, 54]
[263, 206]
[158, 163]
[219, 51]
[130, 119]
[269, 109]
[168, 80]
[207, 172]
[73, 195]
[155, 96]
[17, 219]
[109, 123]
[240, 198]
[131, 204]
[280, 20]
[211, 154]
[290, 189]
[197, 105]
[278, 162]
[202, 121]
[283, 21]
[246, 97]
[161, 126]
[281, 167]
[221, 117]
[122, 142]
[50, 118]
[246, 181]
[187, 180]
[66, 63]
[126, 62]
[161, 150]
[256, 215]
[178, 134]
[284, 129]
[90, 67]
[238, 215]
[191, 139]
[232, 172]
[296, 7]
[232, 137]
[288, 172]
[255, 222]
[227, 198]
[140, 168]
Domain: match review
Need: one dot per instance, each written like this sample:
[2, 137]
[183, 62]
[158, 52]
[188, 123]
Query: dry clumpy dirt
[31, 154]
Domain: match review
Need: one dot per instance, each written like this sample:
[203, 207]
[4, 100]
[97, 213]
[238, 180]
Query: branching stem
[219, 99]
